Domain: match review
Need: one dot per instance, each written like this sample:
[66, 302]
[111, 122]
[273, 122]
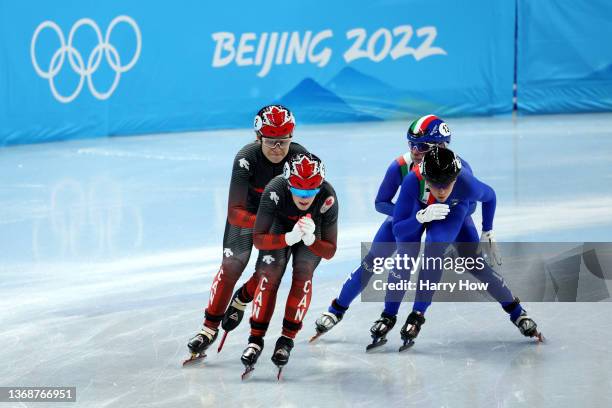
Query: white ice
[108, 248]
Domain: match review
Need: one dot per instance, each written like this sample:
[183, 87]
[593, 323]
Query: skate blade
[194, 358]
[376, 344]
[406, 346]
[247, 372]
[280, 372]
[316, 336]
[222, 341]
[539, 337]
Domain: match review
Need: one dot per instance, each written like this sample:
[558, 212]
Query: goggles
[440, 186]
[273, 143]
[424, 147]
[304, 193]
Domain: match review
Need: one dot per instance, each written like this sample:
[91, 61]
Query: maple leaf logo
[276, 117]
[305, 168]
[329, 202]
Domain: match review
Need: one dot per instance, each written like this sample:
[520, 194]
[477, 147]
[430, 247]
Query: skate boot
[282, 351]
[380, 329]
[235, 312]
[325, 323]
[200, 342]
[251, 354]
[410, 330]
[233, 316]
[525, 324]
[528, 327]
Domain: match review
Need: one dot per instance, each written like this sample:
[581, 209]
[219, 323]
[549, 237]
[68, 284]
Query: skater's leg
[270, 268]
[249, 287]
[429, 272]
[410, 248]
[298, 301]
[383, 325]
[271, 272]
[468, 247]
[439, 235]
[237, 244]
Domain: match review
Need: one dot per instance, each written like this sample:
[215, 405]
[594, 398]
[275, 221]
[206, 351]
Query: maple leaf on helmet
[305, 168]
[304, 171]
[276, 116]
[274, 121]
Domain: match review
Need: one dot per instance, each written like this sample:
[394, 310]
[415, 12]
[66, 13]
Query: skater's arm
[388, 189]
[486, 195]
[266, 213]
[325, 247]
[237, 214]
[465, 166]
[407, 205]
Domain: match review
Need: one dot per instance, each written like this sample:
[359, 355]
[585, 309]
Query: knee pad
[232, 268]
[303, 271]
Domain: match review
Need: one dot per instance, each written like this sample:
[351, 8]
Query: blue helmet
[429, 129]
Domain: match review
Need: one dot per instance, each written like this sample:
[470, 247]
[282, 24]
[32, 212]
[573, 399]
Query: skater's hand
[308, 239]
[488, 247]
[433, 212]
[295, 236]
[307, 225]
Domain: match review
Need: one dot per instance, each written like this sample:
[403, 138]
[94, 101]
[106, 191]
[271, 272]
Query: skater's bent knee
[232, 268]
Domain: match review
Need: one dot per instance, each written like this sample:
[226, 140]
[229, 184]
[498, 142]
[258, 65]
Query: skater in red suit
[297, 218]
[254, 166]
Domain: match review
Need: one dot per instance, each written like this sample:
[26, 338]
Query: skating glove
[433, 212]
[488, 247]
[295, 236]
[308, 239]
[308, 227]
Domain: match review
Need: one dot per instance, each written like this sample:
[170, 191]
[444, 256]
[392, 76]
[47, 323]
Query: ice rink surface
[109, 246]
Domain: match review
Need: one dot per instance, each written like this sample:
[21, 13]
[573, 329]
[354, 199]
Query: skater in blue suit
[423, 134]
[447, 219]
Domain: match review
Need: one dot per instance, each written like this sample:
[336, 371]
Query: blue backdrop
[564, 59]
[74, 69]
[85, 69]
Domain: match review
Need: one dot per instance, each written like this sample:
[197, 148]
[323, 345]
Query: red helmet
[274, 121]
[304, 171]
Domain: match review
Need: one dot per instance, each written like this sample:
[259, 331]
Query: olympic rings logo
[77, 63]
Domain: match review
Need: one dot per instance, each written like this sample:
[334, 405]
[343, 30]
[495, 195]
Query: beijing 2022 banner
[73, 69]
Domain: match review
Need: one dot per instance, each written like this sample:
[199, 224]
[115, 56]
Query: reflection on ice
[109, 247]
